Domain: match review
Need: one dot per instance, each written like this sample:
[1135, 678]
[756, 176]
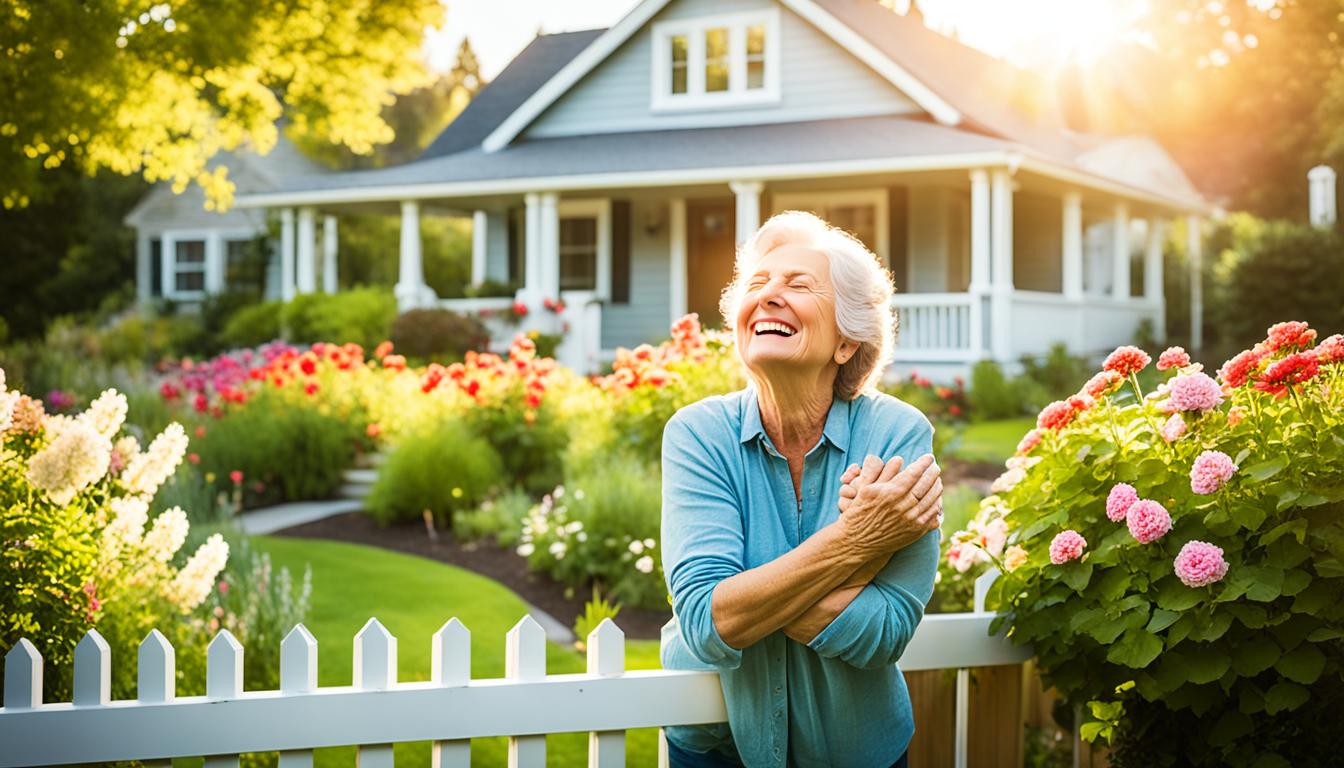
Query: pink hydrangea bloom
[1200, 564]
[1173, 357]
[1056, 415]
[1029, 441]
[1194, 392]
[1211, 469]
[1066, 546]
[1148, 521]
[1119, 500]
[1173, 429]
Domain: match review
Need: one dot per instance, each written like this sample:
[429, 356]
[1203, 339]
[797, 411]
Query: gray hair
[863, 289]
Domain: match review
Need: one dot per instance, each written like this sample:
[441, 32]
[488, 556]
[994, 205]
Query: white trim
[676, 235]
[624, 29]
[599, 209]
[661, 98]
[479, 226]
[877, 197]
[213, 269]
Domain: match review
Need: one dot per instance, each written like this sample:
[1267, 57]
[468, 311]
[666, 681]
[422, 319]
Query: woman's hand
[885, 509]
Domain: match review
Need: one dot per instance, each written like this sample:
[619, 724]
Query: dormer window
[716, 61]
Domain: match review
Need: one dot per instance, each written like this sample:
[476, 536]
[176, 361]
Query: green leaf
[1266, 584]
[1207, 664]
[1271, 760]
[1241, 456]
[1254, 655]
[1266, 469]
[1076, 575]
[1295, 581]
[1325, 633]
[1303, 664]
[1113, 584]
[1212, 629]
[1169, 673]
[1251, 616]
[1230, 727]
[1136, 649]
[1175, 596]
[1296, 527]
[1126, 472]
[1091, 730]
[1162, 619]
[1316, 596]
[1284, 696]
[1250, 698]
[1248, 516]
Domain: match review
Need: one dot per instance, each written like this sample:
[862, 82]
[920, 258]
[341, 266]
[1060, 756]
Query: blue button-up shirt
[728, 506]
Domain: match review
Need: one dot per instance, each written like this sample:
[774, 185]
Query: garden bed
[483, 557]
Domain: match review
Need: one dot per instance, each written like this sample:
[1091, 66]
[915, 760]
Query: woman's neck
[794, 409]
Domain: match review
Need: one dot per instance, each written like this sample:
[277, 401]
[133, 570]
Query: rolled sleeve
[703, 540]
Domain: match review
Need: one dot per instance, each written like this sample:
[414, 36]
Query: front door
[710, 254]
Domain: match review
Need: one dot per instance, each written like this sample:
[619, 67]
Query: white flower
[73, 461]
[106, 414]
[192, 584]
[582, 536]
[636, 547]
[644, 564]
[559, 492]
[526, 549]
[127, 528]
[558, 549]
[996, 535]
[147, 471]
[165, 537]
[1007, 480]
[650, 543]
[574, 527]
[578, 494]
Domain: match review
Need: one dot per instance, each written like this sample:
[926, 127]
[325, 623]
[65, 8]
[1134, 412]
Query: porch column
[980, 231]
[411, 289]
[479, 223]
[144, 274]
[676, 235]
[1193, 245]
[532, 279]
[286, 254]
[549, 226]
[748, 208]
[330, 281]
[307, 267]
[1152, 276]
[1001, 310]
[1120, 254]
[1073, 246]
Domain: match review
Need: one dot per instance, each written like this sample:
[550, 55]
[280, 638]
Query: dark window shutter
[898, 198]
[620, 251]
[155, 267]
[516, 245]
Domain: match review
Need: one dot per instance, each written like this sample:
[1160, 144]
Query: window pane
[716, 59]
[858, 220]
[190, 281]
[244, 267]
[680, 56]
[578, 254]
[190, 251]
[756, 57]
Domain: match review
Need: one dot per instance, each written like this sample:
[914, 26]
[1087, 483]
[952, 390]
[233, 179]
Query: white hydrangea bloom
[644, 564]
[147, 471]
[636, 547]
[166, 535]
[106, 414]
[7, 401]
[558, 549]
[129, 515]
[74, 460]
[650, 543]
[526, 549]
[192, 584]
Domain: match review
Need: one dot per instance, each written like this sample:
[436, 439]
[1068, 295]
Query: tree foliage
[157, 91]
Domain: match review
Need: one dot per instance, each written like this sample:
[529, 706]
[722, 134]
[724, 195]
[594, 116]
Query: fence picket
[93, 671]
[525, 659]
[298, 674]
[606, 657]
[155, 681]
[375, 670]
[23, 676]
[223, 680]
[450, 666]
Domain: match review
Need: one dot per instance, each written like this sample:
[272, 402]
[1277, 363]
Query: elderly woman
[800, 516]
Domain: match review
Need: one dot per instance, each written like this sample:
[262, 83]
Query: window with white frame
[862, 213]
[716, 61]
[585, 246]
[188, 266]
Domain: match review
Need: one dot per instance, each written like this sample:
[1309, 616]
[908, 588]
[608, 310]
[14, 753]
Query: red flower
[394, 362]
[201, 403]
[374, 429]
[533, 399]
[1029, 441]
[519, 309]
[310, 388]
[1102, 384]
[308, 365]
[1081, 402]
[1293, 369]
[472, 387]
[433, 375]
[944, 392]
[1331, 350]
[169, 391]
[1173, 357]
[1290, 334]
[200, 430]
[236, 476]
[382, 350]
[1238, 370]
[1056, 415]
[955, 410]
[194, 458]
[1126, 360]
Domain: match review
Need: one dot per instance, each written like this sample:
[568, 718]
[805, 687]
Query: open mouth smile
[773, 328]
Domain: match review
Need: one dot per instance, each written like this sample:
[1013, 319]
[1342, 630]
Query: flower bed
[1177, 558]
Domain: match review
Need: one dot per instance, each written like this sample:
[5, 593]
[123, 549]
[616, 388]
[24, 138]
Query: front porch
[991, 262]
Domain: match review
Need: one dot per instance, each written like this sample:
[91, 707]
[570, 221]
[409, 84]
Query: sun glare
[1040, 34]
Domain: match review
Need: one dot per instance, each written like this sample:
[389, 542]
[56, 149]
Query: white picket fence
[377, 711]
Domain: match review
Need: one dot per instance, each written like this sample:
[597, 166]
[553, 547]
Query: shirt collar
[835, 433]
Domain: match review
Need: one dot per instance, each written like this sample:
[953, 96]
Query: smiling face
[786, 318]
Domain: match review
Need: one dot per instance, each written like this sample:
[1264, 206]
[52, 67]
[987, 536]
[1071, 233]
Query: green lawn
[990, 440]
[413, 597]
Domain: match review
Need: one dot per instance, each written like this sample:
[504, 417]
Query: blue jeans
[684, 758]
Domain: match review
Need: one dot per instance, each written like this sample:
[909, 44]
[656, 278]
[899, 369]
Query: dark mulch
[957, 471]
[483, 557]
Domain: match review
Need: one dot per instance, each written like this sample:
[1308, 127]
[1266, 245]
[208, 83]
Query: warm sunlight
[1040, 34]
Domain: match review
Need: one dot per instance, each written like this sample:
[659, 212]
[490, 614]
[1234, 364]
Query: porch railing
[939, 327]
[377, 710]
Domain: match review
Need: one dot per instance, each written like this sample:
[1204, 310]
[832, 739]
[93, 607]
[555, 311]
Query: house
[617, 170]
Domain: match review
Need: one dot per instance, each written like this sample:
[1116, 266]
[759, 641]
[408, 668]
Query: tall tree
[157, 92]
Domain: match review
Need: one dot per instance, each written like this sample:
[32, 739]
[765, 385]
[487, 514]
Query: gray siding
[818, 79]
[647, 317]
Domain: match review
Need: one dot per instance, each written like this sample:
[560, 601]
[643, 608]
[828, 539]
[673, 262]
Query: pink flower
[1173, 357]
[1290, 334]
[961, 557]
[1173, 429]
[1126, 360]
[223, 587]
[1200, 564]
[1102, 384]
[236, 476]
[1056, 415]
[1028, 441]
[1148, 521]
[1238, 370]
[1211, 469]
[1119, 500]
[1081, 402]
[1194, 392]
[1331, 350]
[1066, 546]
[1293, 369]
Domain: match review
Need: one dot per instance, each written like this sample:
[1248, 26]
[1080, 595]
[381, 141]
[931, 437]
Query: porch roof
[659, 158]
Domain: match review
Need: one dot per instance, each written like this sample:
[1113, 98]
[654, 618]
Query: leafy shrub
[500, 517]
[445, 469]
[491, 288]
[1179, 558]
[296, 448]
[438, 333]
[253, 325]
[1058, 373]
[360, 315]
